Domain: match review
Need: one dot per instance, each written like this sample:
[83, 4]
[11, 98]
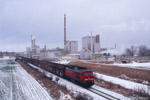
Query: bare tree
[131, 51]
[144, 51]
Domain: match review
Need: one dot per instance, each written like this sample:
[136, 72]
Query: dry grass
[57, 79]
[143, 94]
[83, 96]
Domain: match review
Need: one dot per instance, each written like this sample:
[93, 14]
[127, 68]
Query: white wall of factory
[38, 50]
[86, 43]
[28, 52]
[71, 47]
[47, 55]
[85, 54]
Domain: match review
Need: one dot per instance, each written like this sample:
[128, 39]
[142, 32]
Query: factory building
[33, 46]
[85, 54]
[28, 52]
[71, 47]
[94, 40]
[34, 50]
[52, 54]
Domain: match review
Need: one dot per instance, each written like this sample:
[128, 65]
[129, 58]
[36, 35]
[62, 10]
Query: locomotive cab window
[85, 74]
[82, 74]
[91, 74]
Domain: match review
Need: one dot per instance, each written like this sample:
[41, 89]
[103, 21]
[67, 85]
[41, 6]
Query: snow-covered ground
[17, 84]
[135, 65]
[63, 62]
[7, 58]
[77, 89]
[124, 83]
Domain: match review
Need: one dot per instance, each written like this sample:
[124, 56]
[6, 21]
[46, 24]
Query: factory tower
[64, 30]
[33, 47]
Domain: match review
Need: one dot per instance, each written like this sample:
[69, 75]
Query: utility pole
[91, 43]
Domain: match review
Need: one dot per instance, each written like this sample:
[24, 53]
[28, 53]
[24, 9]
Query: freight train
[76, 74]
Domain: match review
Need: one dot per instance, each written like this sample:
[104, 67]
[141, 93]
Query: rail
[100, 93]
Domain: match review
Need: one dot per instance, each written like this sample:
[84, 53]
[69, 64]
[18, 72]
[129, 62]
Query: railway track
[100, 93]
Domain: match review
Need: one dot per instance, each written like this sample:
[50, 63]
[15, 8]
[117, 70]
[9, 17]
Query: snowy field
[124, 83]
[17, 84]
[63, 62]
[77, 89]
[134, 65]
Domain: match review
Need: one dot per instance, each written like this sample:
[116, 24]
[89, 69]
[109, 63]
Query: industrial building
[34, 50]
[52, 54]
[85, 54]
[46, 54]
[71, 47]
[92, 43]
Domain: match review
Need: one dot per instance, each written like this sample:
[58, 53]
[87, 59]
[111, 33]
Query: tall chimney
[64, 29]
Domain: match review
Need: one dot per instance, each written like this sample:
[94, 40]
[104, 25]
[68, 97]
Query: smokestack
[64, 29]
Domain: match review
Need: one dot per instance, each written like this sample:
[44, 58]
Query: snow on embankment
[17, 84]
[75, 89]
[134, 65]
[7, 58]
[124, 83]
[63, 62]
[30, 87]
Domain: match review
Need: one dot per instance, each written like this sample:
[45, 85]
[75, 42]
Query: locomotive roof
[78, 69]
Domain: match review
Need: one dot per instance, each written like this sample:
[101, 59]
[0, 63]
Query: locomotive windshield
[91, 74]
[85, 74]
[88, 74]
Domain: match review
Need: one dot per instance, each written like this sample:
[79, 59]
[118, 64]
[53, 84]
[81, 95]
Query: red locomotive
[79, 75]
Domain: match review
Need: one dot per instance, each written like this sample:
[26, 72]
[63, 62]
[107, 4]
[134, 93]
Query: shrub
[57, 79]
[51, 77]
[63, 87]
[143, 94]
[83, 96]
[110, 84]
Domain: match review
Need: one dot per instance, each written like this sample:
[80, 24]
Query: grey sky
[124, 22]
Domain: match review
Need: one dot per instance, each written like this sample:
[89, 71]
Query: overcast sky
[120, 22]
